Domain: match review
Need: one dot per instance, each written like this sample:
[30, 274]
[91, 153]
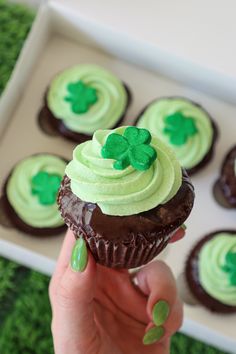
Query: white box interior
[61, 38]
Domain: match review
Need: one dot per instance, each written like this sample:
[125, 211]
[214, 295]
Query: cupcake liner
[113, 255]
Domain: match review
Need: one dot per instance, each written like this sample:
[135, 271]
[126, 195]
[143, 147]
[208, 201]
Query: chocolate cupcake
[185, 126]
[211, 271]
[124, 192]
[82, 99]
[30, 193]
[225, 187]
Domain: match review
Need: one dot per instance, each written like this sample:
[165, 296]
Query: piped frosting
[123, 191]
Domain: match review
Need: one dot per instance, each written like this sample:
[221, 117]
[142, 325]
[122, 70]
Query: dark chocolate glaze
[227, 180]
[53, 126]
[209, 155]
[192, 277]
[18, 223]
[125, 241]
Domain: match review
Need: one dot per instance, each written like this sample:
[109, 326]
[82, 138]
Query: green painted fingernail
[153, 335]
[79, 256]
[183, 226]
[160, 312]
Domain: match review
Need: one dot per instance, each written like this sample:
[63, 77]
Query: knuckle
[166, 268]
[64, 296]
[51, 289]
[53, 326]
[178, 323]
[180, 316]
[63, 292]
[175, 320]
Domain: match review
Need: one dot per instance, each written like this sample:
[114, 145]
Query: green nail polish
[184, 227]
[160, 312]
[153, 335]
[79, 256]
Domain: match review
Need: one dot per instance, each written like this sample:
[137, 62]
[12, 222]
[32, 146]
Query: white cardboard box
[61, 37]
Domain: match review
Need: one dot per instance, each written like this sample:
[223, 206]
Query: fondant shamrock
[230, 267]
[45, 185]
[81, 96]
[179, 128]
[131, 148]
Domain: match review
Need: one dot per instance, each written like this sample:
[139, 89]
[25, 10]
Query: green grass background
[25, 313]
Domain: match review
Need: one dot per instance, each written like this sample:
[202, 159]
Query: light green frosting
[197, 146]
[213, 278]
[122, 192]
[104, 114]
[26, 204]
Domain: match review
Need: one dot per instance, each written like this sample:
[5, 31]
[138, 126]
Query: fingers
[164, 309]
[71, 295]
[179, 234]
[63, 259]
[65, 253]
[119, 295]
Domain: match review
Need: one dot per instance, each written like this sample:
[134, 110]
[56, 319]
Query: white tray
[61, 37]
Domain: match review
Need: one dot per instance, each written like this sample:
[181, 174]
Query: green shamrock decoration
[81, 96]
[45, 185]
[132, 148]
[230, 267]
[179, 128]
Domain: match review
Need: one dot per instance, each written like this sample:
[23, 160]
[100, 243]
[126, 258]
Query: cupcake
[125, 193]
[185, 126]
[211, 271]
[82, 99]
[225, 187]
[30, 193]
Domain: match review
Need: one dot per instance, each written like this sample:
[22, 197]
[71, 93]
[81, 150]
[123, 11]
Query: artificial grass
[15, 23]
[25, 313]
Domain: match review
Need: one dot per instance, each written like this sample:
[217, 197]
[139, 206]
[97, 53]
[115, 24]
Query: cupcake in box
[82, 99]
[225, 187]
[30, 193]
[125, 193]
[211, 271]
[185, 126]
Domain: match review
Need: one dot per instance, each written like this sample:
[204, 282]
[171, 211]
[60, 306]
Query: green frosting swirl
[21, 198]
[122, 192]
[103, 114]
[212, 276]
[196, 146]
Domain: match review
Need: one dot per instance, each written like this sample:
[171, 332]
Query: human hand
[107, 311]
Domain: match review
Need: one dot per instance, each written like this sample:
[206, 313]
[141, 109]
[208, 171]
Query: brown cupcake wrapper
[114, 255]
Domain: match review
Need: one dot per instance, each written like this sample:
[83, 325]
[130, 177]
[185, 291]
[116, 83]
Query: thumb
[72, 294]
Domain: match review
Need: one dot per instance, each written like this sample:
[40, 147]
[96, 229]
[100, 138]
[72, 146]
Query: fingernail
[160, 312]
[183, 226]
[79, 256]
[153, 335]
